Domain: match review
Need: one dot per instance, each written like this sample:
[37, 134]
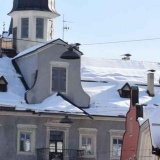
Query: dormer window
[58, 79]
[124, 92]
[3, 84]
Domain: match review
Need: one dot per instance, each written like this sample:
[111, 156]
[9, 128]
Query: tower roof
[39, 5]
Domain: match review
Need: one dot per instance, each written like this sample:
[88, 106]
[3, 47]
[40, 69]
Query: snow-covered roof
[111, 75]
[43, 44]
[15, 91]
[101, 69]
[101, 78]
[105, 99]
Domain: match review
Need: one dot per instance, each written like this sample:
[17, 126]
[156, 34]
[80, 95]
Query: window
[39, 27]
[58, 79]
[87, 141]
[116, 147]
[25, 142]
[124, 92]
[24, 27]
[26, 139]
[116, 137]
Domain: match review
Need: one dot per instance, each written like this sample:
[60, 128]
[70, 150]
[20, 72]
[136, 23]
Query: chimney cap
[127, 55]
[152, 70]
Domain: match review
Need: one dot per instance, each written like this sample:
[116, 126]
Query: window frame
[59, 80]
[88, 133]
[31, 129]
[115, 134]
[59, 65]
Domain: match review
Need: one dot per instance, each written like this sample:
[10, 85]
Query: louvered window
[39, 27]
[24, 27]
[58, 79]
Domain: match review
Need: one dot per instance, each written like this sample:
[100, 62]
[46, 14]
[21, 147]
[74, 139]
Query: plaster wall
[45, 58]
[8, 134]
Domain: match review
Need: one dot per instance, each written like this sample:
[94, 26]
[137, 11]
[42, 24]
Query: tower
[32, 22]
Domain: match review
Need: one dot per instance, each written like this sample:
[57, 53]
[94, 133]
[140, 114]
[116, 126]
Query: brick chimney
[150, 83]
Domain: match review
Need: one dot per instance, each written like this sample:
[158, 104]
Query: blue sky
[107, 21]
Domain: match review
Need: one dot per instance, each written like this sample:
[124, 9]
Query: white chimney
[150, 83]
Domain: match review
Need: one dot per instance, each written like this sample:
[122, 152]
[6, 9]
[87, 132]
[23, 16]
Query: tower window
[24, 27]
[39, 27]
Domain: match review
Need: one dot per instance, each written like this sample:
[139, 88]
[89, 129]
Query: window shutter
[24, 27]
[39, 27]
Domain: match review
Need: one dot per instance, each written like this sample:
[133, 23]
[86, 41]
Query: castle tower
[32, 22]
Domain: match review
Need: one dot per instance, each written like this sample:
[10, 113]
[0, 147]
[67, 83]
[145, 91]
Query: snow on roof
[130, 71]
[42, 44]
[14, 97]
[111, 75]
[105, 99]
[52, 104]
[15, 89]
[101, 80]
[31, 49]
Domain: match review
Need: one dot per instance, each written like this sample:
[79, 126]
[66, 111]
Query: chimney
[126, 56]
[76, 45]
[150, 83]
[134, 95]
[139, 111]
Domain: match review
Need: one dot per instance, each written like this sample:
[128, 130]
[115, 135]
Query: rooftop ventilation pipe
[126, 56]
[150, 82]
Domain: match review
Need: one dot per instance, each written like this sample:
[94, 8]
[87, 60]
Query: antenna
[3, 26]
[65, 27]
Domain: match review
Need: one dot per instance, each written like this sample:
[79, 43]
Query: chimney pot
[150, 83]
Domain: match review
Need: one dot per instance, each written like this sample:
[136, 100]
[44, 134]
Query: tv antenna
[4, 26]
[65, 27]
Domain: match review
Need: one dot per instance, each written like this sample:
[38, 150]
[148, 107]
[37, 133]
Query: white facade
[25, 43]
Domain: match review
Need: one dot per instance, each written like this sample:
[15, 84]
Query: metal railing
[61, 154]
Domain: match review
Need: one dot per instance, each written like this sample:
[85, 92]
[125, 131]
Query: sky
[94, 24]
